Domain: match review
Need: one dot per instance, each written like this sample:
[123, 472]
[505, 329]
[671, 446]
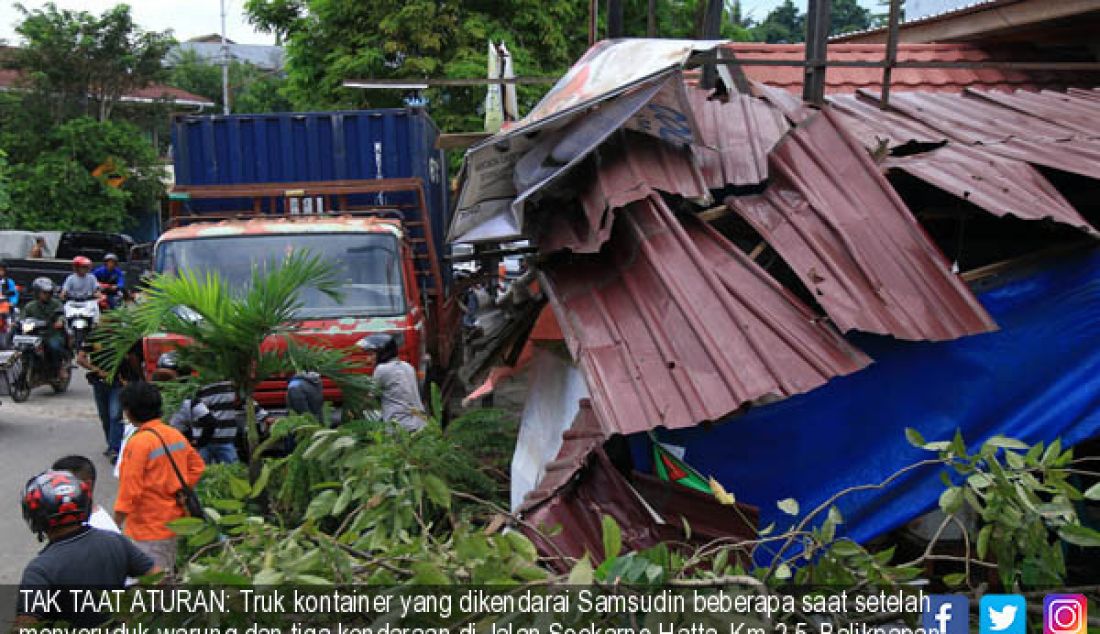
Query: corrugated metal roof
[998, 184]
[736, 137]
[672, 325]
[1075, 113]
[631, 167]
[843, 230]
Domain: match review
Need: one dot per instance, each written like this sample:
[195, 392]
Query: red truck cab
[383, 288]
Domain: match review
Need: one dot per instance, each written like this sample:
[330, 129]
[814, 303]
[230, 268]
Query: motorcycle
[8, 316]
[32, 369]
[81, 315]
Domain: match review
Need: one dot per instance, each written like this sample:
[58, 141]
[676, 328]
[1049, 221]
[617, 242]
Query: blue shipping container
[290, 147]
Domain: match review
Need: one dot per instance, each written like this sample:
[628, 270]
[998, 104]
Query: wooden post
[712, 28]
[817, 39]
[891, 52]
[593, 18]
[615, 19]
[651, 19]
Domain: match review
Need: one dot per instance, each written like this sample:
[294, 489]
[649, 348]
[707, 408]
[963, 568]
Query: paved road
[33, 435]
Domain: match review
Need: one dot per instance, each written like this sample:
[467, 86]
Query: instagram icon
[1065, 614]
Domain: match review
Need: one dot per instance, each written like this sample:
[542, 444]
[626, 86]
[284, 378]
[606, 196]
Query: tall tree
[785, 23]
[82, 63]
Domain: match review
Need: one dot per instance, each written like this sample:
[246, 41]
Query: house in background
[209, 48]
[1063, 30]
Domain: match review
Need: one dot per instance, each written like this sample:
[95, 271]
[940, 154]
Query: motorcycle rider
[45, 307]
[56, 504]
[80, 282]
[112, 278]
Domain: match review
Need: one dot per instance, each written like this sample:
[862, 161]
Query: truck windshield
[368, 265]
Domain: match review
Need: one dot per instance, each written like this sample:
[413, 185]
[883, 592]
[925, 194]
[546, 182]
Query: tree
[5, 184]
[228, 330]
[848, 16]
[881, 18]
[328, 43]
[82, 63]
[53, 187]
[784, 24]
[251, 89]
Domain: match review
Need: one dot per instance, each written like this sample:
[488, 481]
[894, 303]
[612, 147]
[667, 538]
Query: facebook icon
[946, 614]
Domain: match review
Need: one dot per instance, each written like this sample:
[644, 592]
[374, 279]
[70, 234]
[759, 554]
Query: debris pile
[709, 252]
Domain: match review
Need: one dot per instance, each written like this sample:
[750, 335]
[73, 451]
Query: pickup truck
[91, 244]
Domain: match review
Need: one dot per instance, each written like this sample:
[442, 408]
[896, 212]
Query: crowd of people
[158, 464]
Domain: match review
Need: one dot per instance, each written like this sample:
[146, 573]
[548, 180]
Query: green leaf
[1093, 492]
[983, 540]
[239, 488]
[321, 506]
[951, 500]
[438, 491]
[261, 481]
[914, 437]
[1052, 453]
[783, 572]
[846, 548]
[1003, 442]
[186, 525]
[612, 537]
[267, 577]
[428, 574]
[522, 546]
[205, 536]
[582, 573]
[954, 580]
[1080, 536]
[788, 506]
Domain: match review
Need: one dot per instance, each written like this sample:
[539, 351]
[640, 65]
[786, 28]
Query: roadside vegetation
[364, 503]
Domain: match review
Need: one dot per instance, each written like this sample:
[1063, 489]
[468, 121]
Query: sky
[190, 18]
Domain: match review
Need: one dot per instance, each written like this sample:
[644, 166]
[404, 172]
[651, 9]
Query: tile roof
[9, 79]
[849, 79]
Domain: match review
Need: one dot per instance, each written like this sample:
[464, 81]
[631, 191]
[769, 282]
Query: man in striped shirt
[213, 420]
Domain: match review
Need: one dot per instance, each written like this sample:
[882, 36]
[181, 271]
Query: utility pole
[817, 42]
[225, 66]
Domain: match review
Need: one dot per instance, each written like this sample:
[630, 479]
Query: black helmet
[110, 256]
[42, 285]
[168, 361]
[56, 498]
[3, 263]
[383, 345]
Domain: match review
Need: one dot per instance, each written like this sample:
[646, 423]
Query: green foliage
[252, 90]
[5, 183]
[85, 63]
[52, 187]
[1025, 499]
[370, 503]
[227, 328]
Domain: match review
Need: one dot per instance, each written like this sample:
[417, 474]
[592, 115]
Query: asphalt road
[32, 436]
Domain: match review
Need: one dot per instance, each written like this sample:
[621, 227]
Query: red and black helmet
[56, 498]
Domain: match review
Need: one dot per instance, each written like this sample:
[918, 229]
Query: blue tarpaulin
[1036, 379]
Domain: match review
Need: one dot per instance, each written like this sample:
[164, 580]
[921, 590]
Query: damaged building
[771, 292]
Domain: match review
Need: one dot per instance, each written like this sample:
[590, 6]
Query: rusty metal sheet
[1076, 156]
[998, 185]
[736, 137]
[629, 168]
[673, 326]
[1076, 113]
[839, 225]
[873, 126]
[974, 120]
[581, 439]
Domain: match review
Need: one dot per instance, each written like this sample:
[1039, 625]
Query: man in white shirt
[84, 469]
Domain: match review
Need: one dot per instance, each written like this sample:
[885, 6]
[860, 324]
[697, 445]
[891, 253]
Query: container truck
[366, 190]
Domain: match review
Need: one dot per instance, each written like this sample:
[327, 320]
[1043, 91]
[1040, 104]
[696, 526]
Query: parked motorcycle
[32, 369]
[81, 315]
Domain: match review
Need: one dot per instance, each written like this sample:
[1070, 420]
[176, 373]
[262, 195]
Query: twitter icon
[1003, 614]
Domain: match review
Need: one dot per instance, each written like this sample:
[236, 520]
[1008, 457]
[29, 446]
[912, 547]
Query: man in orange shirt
[148, 484]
